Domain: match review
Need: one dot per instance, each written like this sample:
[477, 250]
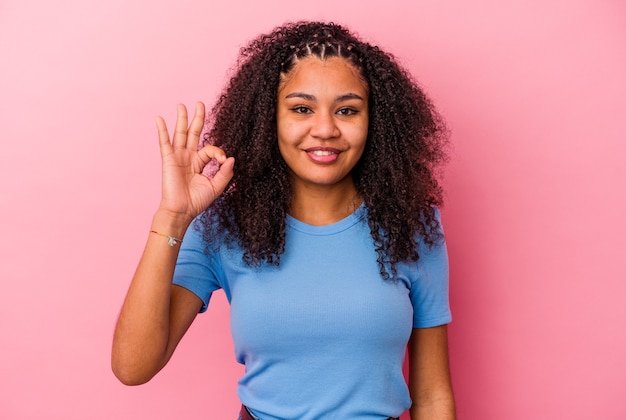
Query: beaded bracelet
[171, 241]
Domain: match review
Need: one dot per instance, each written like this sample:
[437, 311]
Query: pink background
[534, 93]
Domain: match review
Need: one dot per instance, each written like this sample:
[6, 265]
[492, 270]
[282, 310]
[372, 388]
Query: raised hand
[186, 192]
[156, 315]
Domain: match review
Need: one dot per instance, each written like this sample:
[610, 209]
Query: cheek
[359, 136]
[360, 145]
[290, 137]
[287, 131]
[285, 147]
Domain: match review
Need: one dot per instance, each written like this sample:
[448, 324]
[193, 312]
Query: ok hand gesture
[186, 192]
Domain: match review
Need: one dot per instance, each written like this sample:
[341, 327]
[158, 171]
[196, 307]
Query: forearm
[142, 335]
[429, 375]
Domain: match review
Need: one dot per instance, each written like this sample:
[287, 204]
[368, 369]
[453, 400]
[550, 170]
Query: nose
[324, 126]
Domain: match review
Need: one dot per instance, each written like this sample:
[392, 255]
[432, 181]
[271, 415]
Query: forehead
[322, 74]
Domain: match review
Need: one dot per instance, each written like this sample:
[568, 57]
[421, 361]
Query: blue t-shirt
[322, 335]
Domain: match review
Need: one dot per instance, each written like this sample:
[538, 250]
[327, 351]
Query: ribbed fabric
[322, 335]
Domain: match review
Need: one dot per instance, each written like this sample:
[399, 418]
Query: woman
[318, 220]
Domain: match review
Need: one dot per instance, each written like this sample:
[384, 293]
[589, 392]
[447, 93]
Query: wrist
[170, 223]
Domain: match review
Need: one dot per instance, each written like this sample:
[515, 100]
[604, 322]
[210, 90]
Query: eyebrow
[309, 97]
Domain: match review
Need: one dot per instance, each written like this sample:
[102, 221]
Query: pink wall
[534, 93]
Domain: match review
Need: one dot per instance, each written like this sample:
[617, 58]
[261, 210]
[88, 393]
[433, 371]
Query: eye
[301, 109]
[347, 111]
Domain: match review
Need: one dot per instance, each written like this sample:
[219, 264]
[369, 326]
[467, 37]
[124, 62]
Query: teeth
[322, 152]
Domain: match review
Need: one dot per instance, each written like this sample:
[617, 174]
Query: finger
[180, 131]
[223, 176]
[164, 137]
[195, 129]
[211, 152]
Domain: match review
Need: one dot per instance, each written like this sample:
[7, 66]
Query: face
[322, 121]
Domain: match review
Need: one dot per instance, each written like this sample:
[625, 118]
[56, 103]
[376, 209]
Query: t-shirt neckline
[339, 226]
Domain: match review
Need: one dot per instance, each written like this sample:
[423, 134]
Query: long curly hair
[397, 175]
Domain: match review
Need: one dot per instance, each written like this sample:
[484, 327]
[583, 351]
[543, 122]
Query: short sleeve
[196, 269]
[429, 289]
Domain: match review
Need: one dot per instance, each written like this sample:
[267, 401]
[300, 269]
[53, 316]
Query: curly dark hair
[397, 175]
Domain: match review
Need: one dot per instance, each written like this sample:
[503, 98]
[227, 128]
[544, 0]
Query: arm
[155, 315]
[429, 375]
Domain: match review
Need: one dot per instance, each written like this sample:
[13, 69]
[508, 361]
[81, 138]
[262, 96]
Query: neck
[323, 205]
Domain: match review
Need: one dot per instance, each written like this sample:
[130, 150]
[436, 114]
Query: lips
[323, 154]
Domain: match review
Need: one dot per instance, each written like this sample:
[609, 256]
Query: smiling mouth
[323, 155]
[322, 152]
